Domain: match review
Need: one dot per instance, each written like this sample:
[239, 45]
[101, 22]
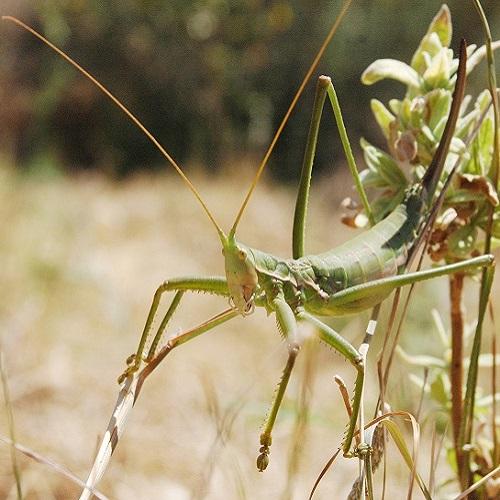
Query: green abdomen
[380, 252]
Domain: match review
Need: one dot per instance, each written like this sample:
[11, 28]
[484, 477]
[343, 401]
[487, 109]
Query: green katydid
[348, 279]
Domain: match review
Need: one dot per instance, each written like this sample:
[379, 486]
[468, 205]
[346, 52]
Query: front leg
[216, 285]
[288, 327]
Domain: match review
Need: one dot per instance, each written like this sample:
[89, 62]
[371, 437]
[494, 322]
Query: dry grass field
[81, 258]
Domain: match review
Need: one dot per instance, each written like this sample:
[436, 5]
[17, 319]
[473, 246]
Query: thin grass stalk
[10, 424]
[466, 428]
[432, 475]
[476, 485]
[495, 168]
[456, 286]
[369, 476]
[323, 472]
[496, 449]
[465, 470]
[58, 468]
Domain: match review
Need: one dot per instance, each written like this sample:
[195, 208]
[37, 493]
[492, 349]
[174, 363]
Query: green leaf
[429, 47]
[395, 106]
[383, 116]
[420, 359]
[440, 389]
[481, 148]
[390, 68]
[429, 135]
[399, 441]
[484, 143]
[495, 230]
[462, 241]
[406, 113]
[439, 103]
[441, 25]
[483, 100]
[372, 179]
[437, 75]
[439, 128]
[384, 164]
[461, 196]
[465, 123]
[479, 55]
[416, 108]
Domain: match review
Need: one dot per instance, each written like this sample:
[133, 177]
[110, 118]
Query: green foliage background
[212, 79]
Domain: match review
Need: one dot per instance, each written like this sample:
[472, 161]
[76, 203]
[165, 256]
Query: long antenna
[129, 114]
[306, 79]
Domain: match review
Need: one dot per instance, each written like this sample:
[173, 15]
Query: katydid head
[241, 274]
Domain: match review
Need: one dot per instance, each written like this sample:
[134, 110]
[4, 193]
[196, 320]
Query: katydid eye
[242, 254]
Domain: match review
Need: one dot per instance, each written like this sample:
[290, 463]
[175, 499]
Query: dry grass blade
[479, 483]
[299, 433]
[496, 447]
[408, 457]
[124, 404]
[10, 423]
[323, 472]
[436, 449]
[224, 420]
[344, 392]
[53, 465]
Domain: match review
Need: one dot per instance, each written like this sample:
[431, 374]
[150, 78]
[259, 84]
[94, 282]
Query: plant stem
[456, 283]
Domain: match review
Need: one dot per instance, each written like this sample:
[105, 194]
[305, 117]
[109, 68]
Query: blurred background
[212, 79]
[93, 220]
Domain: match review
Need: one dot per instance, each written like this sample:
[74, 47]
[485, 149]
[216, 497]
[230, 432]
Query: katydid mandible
[348, 279]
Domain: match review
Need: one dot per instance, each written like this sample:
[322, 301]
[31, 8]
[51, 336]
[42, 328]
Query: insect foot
[263, 458]
[362, 451]
[132, 367]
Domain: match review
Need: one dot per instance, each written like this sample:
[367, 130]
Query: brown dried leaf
[406, 147]
[479, 184]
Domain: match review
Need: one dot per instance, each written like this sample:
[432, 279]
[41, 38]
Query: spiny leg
[214, 285]
[340, 344]
[288, 326]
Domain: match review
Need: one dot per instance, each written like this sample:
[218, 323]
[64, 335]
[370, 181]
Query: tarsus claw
[132, 367]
